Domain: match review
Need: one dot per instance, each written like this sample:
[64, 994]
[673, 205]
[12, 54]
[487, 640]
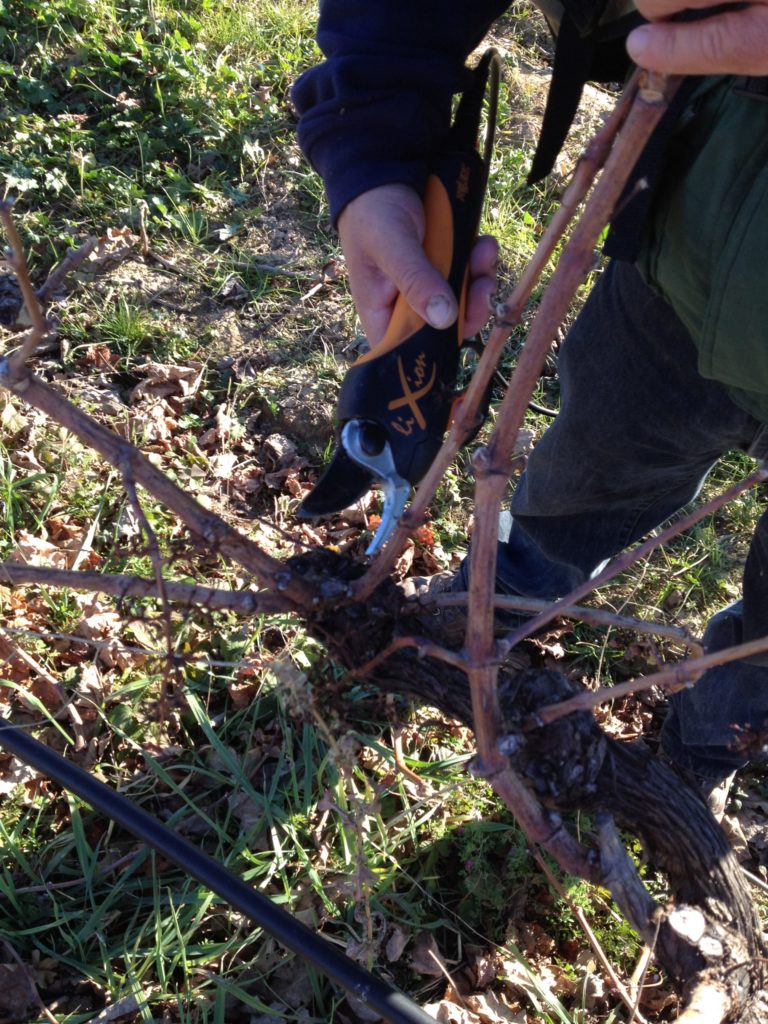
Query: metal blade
[342, 484]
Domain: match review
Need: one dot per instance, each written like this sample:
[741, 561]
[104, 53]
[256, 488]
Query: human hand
[381, 233]
[732, 42]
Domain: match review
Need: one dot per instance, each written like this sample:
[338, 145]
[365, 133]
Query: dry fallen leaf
[280, 449]
[222, 465]
[12, 420]
[396, 943]
[36, 551]
[115, 245]
[425, 957]
[100, 357]
[491, 1009]
[447, 1012]
[163, 380]
[15, 773]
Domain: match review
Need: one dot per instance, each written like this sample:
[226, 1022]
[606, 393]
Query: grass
[181, 109]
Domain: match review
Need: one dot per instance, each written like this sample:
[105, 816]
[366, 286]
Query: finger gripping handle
[407, 382]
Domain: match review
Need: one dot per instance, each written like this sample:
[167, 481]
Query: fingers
[732, 43]
[382, 232]
[425, 290]
[482, 274]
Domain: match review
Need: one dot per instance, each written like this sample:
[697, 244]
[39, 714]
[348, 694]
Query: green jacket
[706, 246]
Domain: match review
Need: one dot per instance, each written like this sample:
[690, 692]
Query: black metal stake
[392, 1004]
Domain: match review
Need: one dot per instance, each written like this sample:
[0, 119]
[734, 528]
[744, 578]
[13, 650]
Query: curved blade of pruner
[363, 458]
[382, 465]
[342, 484]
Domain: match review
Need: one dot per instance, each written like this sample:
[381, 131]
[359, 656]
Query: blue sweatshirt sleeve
[376, 108]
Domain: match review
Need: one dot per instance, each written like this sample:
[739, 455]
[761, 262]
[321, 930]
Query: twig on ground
[446, 974]
[637, 981]
[71, 261]
[73, 883]
[143, 234]
[754, 880]
[593, 940]
[191, 275]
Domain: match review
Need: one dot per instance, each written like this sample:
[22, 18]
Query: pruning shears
[398, 399]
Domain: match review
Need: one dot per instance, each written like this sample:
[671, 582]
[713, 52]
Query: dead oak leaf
[12, 420]
[14, 773]
[102, 625]
[33, 550]
[396, 944]
[115, 245]
[98, 357]
[426, 957]
[163, 380]
[222, 465]
[12, 666]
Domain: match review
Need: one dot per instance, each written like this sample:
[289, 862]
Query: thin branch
[424, 649]
[244, 602]
[576, 261]
[638, 978]
[624, 561]
[677, 675]
[40, 326]
[74, 883]
[15, 376]
[479, 643]
[211, 529]
[754, 880]
[595, 616]
[593, 940]
[492, 464]
[157, 565]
